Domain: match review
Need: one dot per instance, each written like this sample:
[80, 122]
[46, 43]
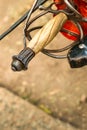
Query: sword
[20, 20]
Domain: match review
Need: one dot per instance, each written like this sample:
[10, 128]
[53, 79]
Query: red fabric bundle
[70, 25]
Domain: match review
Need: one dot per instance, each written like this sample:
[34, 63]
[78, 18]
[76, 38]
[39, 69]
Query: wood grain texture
[46, 34]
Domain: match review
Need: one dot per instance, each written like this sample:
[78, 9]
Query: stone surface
[17, 114]
[48, 83]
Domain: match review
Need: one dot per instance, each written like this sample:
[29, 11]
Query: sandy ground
[48, 83]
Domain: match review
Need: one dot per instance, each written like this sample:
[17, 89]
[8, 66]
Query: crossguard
[43, 37]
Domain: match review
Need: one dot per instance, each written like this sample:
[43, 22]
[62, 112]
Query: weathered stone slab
[17, 114]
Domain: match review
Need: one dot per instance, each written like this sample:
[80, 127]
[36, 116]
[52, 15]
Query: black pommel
[20, 61]
[77, 55]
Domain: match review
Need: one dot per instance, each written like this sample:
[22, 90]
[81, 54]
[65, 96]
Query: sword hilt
[43, 37]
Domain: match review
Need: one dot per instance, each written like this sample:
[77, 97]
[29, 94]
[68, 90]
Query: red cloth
[70, 25]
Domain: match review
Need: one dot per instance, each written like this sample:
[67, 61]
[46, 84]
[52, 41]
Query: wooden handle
[40, 40]
[46, 34]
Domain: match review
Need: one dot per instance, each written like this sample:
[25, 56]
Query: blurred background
[49, 84]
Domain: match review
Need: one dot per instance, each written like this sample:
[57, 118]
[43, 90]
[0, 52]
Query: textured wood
[46, 34]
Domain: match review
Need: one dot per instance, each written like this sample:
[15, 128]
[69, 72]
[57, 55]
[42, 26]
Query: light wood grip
[46, 34]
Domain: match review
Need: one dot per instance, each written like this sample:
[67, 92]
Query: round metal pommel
[17, 65]
[20, 61]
